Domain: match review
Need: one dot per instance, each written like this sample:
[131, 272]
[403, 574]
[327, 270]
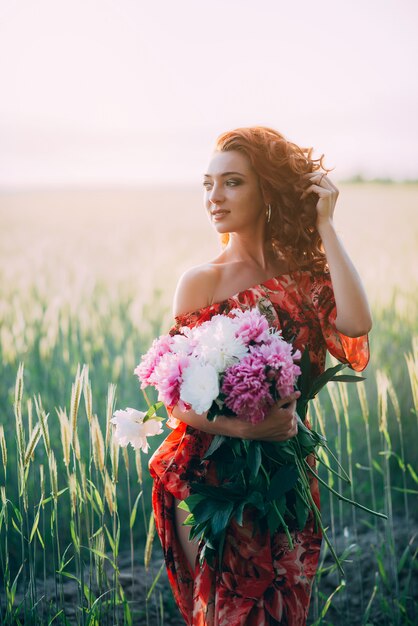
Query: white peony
[182, 345]
[131, 428]
[217, 344]
[200, 385]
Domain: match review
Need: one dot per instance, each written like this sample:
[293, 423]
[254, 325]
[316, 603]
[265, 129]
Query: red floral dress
[262, 581]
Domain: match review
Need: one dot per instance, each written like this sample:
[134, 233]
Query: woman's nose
[215, 194]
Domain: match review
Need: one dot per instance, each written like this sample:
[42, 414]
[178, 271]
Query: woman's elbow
[353, 330]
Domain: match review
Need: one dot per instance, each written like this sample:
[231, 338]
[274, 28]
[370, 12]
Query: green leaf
[279, 451]
[273, 519]
[198, 530]
[413, 473]
[259, 483]
[256, 499]
[308, 439]
[346, 378]
[189, 521]
[239, 513]
[207, 554]
[35, 525]
[327, 604]
[403, 558]
[110, 539]
[217, 442]
[41, 541]
[377, 467]
[74, 536]
[55, 617]
[323, 379]
[152, 410]
[283, 480]
[301, 510]
[221, 494]
[16, 527]
[221, 517]
[204, 510]
[235, 444]
[134, 510]
[102, 555]
[88, 594]
[68, 575]
[189, 503]
[154, 582]
[17, 513]
[254, 458]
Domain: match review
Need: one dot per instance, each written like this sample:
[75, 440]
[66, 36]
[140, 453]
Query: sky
[131, 92]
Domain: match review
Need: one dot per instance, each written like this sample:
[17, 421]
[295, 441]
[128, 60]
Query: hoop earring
[269, 213]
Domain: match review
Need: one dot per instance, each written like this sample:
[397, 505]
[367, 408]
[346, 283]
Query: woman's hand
[279, 424]
[328, 194]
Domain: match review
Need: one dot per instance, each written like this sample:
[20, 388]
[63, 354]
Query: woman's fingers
[285, 402]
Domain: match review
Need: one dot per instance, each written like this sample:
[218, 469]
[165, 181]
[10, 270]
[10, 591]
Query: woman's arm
[279, 424]
[353, 313]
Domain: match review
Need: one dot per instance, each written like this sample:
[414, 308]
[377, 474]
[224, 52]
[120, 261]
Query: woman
[273, 208]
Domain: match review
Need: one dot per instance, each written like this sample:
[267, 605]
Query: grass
[77, 540]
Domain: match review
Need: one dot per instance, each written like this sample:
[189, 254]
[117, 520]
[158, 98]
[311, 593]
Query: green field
[87, 278]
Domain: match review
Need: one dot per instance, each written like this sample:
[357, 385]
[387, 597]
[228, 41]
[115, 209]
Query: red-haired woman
[273, 206]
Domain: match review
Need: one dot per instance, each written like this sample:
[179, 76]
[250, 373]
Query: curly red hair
[280, 165]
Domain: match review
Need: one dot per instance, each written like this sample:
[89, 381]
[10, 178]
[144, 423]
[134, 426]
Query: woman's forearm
[353, 312]
[230, 427]
[278, 424]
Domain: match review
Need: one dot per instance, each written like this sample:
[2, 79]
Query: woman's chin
[220, 228]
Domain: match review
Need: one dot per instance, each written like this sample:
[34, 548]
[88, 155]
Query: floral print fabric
[261, 581]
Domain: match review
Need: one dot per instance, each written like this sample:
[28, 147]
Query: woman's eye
[206, 184]
[233, 182]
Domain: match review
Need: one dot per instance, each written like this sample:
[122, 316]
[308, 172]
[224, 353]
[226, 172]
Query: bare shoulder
[195, 288]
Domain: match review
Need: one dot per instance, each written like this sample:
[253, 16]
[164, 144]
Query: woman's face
[232, 195]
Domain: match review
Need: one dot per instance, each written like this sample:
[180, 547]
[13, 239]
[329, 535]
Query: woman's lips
[218, 216]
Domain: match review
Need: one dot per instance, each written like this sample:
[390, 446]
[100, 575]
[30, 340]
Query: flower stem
[333, 471]
[285, 526]
[317, 513]
[343, 498]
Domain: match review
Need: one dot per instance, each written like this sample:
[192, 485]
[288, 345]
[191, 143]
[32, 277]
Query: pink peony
[278, 355]
[149, 361]
[286, 380]
[168, 376]
[251, 325]
[247, 389]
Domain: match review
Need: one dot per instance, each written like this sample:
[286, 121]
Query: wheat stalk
[98, 444]
[43, 421]
[33, 441]
[150, 540]
[110, 408]
[3, 448]
[65, 429]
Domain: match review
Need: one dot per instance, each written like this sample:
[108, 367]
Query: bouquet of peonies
[234, 365]
[238, 366]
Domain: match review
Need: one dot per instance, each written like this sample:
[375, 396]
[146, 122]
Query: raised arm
[353, 313]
